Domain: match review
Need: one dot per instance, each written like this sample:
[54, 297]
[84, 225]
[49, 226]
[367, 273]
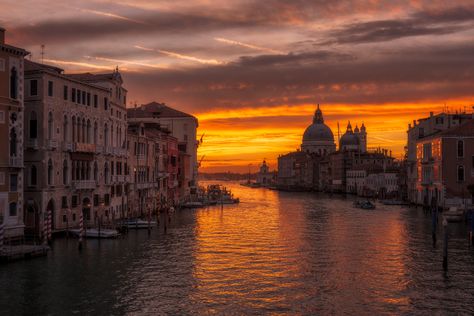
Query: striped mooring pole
[81, 230]
[49, 225]
[45, 230]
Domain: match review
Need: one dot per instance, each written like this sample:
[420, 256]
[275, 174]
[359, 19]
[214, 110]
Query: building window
[65, 128]
[33, 87]
[50, 172]
[73, 95]
[74, 201]
[421, 132]
[64, 202]
[96, 200]
[96, 100]
[460, 173]
[50, 125]
[33, 125]
[66, 93]
[460, 148]
[2, 178]
[13, 182]
[33, 175]
[88, 98]
[50, 88]
[12, 209]
[106, 103]
[14, 84]
[96, 171]
[83, 97]
[65, 172]
[2, 117]
[78, 96]
[13, 142]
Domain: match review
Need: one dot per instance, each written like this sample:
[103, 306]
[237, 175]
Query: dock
[19, 252]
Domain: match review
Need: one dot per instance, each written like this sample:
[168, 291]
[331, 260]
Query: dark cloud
[420, 23]
[404, 75]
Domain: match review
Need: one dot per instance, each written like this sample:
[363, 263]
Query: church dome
[318, 131]
[349, 140]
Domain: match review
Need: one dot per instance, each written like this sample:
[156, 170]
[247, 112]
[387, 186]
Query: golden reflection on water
[271, 252]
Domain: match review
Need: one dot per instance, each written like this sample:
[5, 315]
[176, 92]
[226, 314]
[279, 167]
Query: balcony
[52, 144]
[146, 185]
[32, 143]
[16, 162]
[109, 150]
[67, 146]
[84, 148]
[99, 149]
[120, 178]
[84, 184]
[120, 152]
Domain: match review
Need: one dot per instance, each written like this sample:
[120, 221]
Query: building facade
[445, 167]
[264, 176]
[75, 157]
[183, 127]
[11, 131]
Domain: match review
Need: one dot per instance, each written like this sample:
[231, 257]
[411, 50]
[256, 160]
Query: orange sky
[252, 71]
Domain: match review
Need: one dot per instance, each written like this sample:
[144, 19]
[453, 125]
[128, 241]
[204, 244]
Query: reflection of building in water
[319, 166]
[264, 176]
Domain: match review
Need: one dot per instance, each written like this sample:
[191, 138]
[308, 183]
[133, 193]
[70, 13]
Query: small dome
[349, 139]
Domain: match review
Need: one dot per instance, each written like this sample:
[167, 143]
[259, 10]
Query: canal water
[275, 253]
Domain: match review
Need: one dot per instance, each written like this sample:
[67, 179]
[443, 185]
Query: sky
[252, 71]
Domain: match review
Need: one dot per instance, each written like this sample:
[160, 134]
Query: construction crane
[200, 160]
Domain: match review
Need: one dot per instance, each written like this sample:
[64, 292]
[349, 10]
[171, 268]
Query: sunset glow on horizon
[252, 72]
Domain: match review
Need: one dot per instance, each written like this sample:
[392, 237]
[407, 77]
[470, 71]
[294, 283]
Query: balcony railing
[84, 148]
[99, 149]
[52, 144]
[146, 185]
[67, 146]
[84, 184]
[109, 150]
[32, 143]
[16, 162]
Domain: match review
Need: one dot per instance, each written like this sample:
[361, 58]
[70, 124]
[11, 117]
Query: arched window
[95, 133]
[106, 135]
[88, 131]
[73, 129]
[13, 142]
[460, 148]
[65, 172]
[33, 175]
[73, 170]
[65, 129]
[83, 132]
[14, 84]
[33, 125]
[50, 125]
[96, 171]
[106, 173]
[460, 173]
[50, 172]
[112, 135]
[12, 209]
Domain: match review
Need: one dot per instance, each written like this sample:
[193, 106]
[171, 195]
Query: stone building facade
[11, 132]
[75, 157]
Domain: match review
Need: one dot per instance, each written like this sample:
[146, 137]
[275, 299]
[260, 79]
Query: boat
[365, 205]
[193, 204]
[454, 215]
[138, 224]
[94, 233]
[394, 202]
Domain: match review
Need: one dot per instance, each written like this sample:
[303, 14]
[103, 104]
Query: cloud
[181, 56]
[420, 23]
[255, 47]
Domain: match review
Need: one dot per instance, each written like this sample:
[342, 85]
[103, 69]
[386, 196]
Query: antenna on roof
[42, 53]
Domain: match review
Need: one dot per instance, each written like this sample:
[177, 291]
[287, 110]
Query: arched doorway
[32, 220]
[86, 209]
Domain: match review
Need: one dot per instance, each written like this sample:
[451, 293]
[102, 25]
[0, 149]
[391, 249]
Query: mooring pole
[434, 224]
[445, 245]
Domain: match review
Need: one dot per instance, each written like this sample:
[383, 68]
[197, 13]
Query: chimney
[2, 35]
[431, 114]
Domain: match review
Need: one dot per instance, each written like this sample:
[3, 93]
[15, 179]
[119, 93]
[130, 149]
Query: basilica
[321, 165]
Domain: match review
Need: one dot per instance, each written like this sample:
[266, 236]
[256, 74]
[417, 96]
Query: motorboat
[139, 224]
[95, 233]
[366, 205]
[454, 214]
[193, 204]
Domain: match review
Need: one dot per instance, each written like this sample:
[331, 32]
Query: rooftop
[157, 110]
